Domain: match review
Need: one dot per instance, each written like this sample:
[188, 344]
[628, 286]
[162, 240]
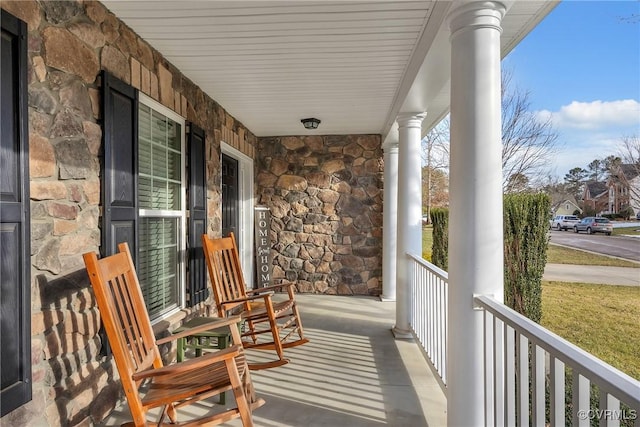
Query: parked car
[564, 222]
[592, 225]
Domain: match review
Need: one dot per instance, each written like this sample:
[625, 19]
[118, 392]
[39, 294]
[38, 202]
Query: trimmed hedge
[525, 249]
[440, 247]
[525, 252]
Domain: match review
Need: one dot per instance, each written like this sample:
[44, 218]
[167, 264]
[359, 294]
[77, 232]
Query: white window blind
[162, 211]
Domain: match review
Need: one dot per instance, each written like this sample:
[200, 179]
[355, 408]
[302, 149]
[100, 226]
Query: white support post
[409, 213]
[475, 209]
[390, 222]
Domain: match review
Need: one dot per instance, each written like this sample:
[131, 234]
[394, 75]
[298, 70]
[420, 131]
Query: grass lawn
[561, 255]
[633, 231]
[427, 241]
[606, 327]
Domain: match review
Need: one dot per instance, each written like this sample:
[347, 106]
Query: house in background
[595, 198]
[624, 188]
[564, 204]
[634, 194]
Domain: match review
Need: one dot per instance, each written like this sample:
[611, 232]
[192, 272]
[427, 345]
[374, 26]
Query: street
[618, 246]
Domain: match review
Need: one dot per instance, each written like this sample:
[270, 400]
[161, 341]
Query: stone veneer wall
[325, 196]
[69, 43]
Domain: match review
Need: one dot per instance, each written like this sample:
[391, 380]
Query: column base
[401, 334]
[386, 299]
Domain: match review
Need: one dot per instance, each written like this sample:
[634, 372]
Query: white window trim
[246, 205]
[182, 221]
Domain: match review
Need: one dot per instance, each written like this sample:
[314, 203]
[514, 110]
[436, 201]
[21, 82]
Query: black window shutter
[120, 179]
[197, 205]
[15, 253]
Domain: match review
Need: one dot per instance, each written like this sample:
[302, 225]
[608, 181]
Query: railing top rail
[433, 268]
[612, 380]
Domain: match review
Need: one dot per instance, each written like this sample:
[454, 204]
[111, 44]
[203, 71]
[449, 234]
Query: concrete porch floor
[352, 373]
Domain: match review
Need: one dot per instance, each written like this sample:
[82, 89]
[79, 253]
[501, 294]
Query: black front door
[230, 195]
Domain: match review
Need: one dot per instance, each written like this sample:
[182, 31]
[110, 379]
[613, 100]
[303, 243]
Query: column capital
[410, 120]
[476, 14]
[390, 147]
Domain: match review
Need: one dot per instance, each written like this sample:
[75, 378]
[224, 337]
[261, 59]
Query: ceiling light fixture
[310, 123]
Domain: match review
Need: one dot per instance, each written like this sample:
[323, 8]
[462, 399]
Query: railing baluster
[445, 329]
[612, 406]
[556, 393]
[488, 367]
[537, 384]
[430, 326]
[523, 367]
[498, 371]
[581, 400]
[424, 302]
[510, 376]
[440, 338]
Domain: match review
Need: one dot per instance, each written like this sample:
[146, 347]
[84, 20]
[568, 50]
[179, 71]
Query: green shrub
[626, 212]
[525, 249]
[440, 248]
[525, 252]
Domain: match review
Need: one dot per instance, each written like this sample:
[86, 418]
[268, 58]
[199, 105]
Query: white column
[475, 201]
[409, 212]
[390, 222]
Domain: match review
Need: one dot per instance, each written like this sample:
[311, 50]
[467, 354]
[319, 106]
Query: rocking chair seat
[258, 310]
[212, 380]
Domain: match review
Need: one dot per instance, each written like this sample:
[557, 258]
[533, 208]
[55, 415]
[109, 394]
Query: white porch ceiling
[352, 64]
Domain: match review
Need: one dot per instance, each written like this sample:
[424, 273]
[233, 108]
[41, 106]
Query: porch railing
[579, 386]
[531, 374]
[428, 290]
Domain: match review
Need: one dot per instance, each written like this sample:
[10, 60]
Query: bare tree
[528, 141]
[627, 168]
[517, 183]
[435, 158]
[528, 144]
[629, 150]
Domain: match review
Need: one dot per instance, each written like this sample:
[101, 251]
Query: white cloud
[591, 130]
[595, 115]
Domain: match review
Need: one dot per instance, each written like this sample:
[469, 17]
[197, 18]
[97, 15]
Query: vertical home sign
[263, 246]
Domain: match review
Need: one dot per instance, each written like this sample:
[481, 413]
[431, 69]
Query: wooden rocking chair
[146, 382]
[261, 314]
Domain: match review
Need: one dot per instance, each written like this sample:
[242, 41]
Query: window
[144, 195]
[161, 202]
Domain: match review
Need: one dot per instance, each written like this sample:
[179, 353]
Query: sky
[581, 67]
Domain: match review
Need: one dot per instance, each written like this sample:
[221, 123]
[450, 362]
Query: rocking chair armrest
[269, 288]
[190, 365]
[215, 323]
[247, 299]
